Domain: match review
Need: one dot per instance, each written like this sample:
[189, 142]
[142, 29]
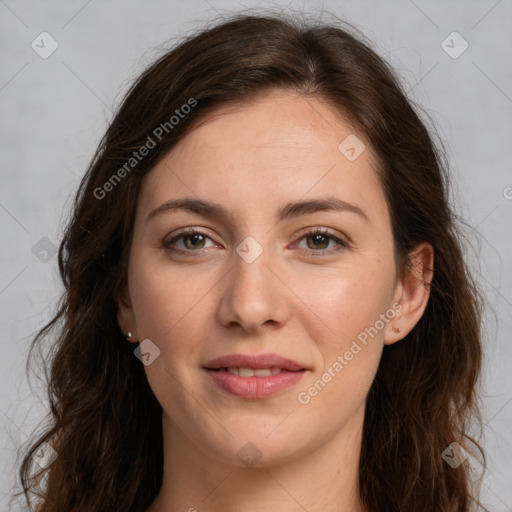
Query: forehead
[281, 146]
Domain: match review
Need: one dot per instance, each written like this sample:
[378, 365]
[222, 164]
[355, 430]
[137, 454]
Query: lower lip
[255, 387]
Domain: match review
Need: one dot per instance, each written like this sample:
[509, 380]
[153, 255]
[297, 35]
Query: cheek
[350, 303]
[345, 301]
[168, 308]
[351, 306]
[164, 301]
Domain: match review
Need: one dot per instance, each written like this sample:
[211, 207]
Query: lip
[254, 387]
[254, 361]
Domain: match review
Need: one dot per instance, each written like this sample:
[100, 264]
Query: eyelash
[167, 244]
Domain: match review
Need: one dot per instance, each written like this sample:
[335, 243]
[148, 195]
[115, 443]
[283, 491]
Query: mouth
[254, 376]
[247, 384]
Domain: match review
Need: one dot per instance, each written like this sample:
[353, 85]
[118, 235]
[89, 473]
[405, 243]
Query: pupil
[196, 236]
[317, 238]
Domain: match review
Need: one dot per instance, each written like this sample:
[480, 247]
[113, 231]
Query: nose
[255, 298]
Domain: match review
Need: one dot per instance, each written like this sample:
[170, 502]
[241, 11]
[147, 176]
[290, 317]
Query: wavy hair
[105, 422]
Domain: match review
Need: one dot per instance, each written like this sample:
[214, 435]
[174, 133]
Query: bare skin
[306, 297]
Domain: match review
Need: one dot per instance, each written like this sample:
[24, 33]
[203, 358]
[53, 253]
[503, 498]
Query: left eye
[194, 241]
[320, 240]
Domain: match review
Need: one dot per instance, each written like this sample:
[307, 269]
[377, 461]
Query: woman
[266, 302]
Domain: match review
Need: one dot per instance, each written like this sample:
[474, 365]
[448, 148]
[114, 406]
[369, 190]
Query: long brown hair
[105, 422]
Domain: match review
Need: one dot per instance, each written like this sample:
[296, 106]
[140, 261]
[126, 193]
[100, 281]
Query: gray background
[55, 110]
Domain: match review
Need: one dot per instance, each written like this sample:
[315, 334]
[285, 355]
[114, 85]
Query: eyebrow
[290, 210]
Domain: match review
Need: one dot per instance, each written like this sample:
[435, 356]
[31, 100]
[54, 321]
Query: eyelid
[337, 235]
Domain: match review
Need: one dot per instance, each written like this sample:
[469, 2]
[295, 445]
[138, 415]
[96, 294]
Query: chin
[253, 447]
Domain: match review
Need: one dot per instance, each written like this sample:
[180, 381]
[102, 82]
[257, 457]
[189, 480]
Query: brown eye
[318, 241]
[196, 241]
[191, 241]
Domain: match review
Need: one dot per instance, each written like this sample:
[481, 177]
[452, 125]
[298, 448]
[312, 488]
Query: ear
[125, 314]
[412, 293]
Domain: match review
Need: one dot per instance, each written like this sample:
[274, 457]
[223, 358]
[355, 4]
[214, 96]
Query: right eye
[192, 241]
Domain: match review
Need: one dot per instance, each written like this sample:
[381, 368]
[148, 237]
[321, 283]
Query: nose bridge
[253, 294]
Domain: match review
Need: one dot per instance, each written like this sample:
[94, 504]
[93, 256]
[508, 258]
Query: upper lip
[254, 361]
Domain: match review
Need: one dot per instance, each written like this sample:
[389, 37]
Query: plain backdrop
[54, 111]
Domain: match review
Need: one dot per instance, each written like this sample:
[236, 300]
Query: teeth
[250, 372]
[262, 372]
[245, 372]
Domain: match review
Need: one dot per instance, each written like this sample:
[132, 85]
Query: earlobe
[125, 315]
[412, 293]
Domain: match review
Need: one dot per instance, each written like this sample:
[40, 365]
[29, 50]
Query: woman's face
[273, 274]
